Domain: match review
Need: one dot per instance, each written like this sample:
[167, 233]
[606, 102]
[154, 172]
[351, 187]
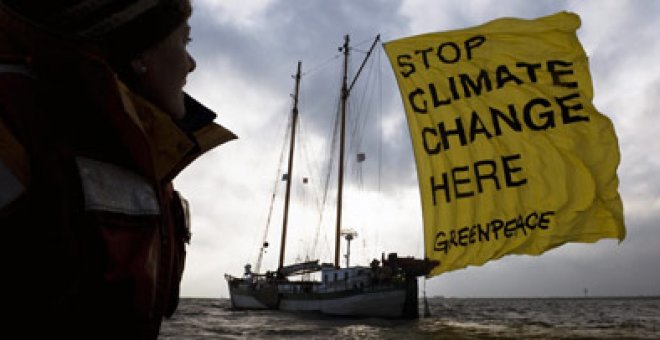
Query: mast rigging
[345, 91]
[294, 120]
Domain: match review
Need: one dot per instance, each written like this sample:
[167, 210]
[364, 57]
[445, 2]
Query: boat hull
[381, 303]
[388, 291]
[240, 300]
[253, 294]
[390, 301]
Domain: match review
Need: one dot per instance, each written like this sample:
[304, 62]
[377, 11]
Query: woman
[94, 125]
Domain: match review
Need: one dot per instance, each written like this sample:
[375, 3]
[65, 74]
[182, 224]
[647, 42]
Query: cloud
[238, 13]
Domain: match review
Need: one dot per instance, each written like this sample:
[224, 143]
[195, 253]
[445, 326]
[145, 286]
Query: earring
[138, 66]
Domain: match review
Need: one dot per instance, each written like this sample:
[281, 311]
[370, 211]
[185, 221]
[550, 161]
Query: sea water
[451, 318]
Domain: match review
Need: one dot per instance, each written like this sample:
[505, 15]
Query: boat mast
[345, 91]
[294, 120]
[342, 133]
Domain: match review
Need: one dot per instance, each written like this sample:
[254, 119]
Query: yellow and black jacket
[94, 233]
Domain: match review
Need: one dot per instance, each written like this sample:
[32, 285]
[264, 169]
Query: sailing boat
[386, 288]
[523, 164]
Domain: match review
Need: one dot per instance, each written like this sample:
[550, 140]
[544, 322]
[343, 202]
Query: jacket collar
[171, 148]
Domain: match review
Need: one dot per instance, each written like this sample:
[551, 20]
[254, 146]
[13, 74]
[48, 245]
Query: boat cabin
[341, 279]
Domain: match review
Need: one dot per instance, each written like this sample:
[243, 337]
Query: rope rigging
[278, 175]
[360, 105]
[360, 121]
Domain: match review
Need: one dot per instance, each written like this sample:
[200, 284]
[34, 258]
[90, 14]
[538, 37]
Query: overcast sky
[246, 52]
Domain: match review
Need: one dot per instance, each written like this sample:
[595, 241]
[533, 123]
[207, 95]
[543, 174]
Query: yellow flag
[512, 156]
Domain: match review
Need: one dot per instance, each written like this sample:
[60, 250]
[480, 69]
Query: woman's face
[162, 71]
